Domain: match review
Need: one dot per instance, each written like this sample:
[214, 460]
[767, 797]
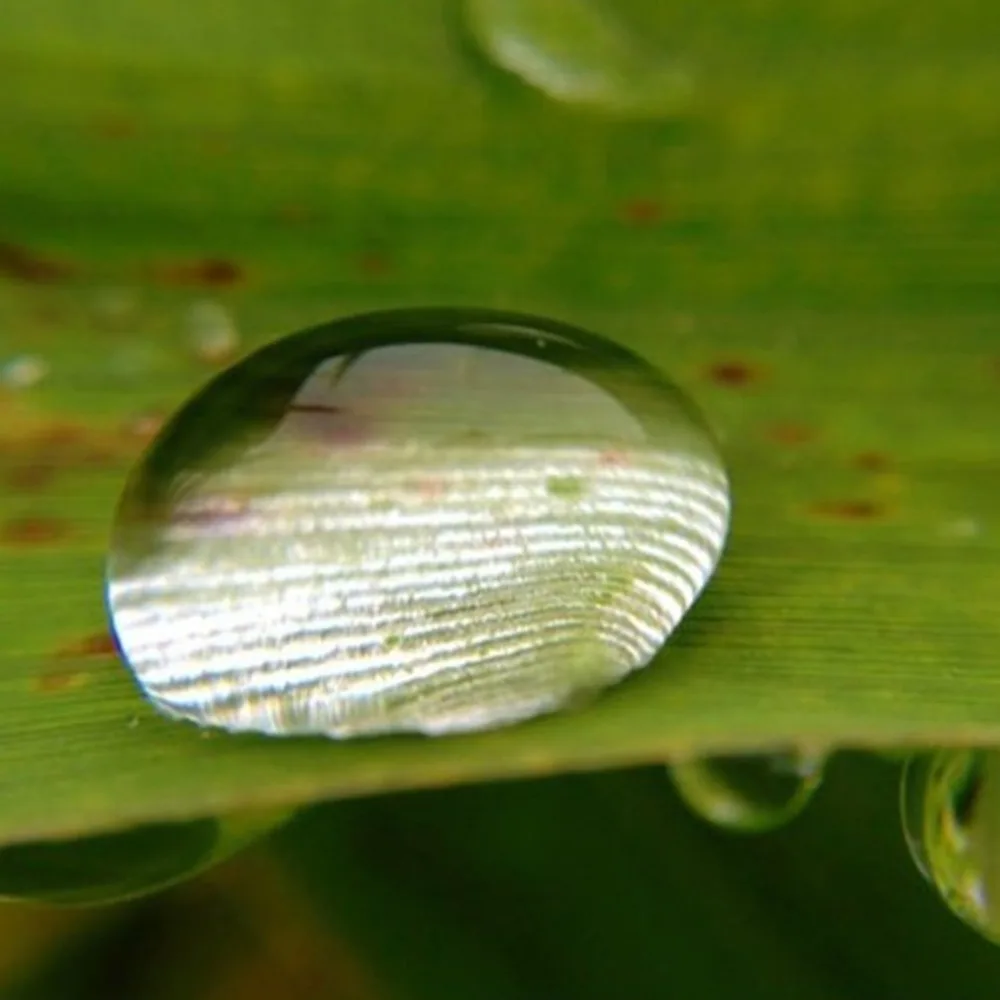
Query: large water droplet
[950, 803]
[576, 51]
[111, 867]
[423, 520]
[752, 793]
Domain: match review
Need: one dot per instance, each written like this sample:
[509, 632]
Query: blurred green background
[807, 242]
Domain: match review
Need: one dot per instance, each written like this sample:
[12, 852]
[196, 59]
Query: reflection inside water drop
[112, 867]
[749, 793]
[429, 520]
[578, 52]
[950, 804]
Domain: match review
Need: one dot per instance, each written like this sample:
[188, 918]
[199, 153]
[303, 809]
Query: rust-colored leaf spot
[95, 644]
[850, 510]
[61, 436]
[33, 530]
[116, 127]
[732, 373]
[791, 435]
[21, 264]
[54, 681]
[642, 212]
[373, 263]
[29, 477]
[294, 215]
[872, 461]
[210, 272]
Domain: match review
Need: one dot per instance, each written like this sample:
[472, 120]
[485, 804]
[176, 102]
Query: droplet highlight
[578, 52]
[950, 805]
[212, 331]
[112, 867]
[408, 521]
[749, 794]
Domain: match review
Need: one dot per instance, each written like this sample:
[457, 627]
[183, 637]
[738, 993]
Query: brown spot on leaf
[732, 373]
[791, 435]
[642, 212]
[612, 458]
[54, 681]
[374, 263]
[211, 272]
[850, 510]
[33, 530]
[21, 264]
[29, 477]
[116, 127]
[95, 644]
[294, 215]
[872, 461]
[60, 436]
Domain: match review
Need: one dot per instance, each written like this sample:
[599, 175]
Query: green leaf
[811, 254]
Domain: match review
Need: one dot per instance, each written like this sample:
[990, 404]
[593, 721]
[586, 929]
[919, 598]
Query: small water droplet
[24, 371]
[115, 307]
[112, 867]
[354, 531]
[961, 528]
[578, 52]
[749, 794]
[950, 805]
[212, 331]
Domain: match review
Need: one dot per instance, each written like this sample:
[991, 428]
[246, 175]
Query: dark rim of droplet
[105, 867]
[281, 366]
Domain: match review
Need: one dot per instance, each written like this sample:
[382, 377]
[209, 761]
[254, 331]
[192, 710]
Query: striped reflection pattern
[429, 521]
[418, 588]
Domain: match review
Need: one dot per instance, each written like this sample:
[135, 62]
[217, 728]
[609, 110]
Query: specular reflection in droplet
[578, 52]
[749, 794]
[125, 864]
[950, 805]
[420, 520]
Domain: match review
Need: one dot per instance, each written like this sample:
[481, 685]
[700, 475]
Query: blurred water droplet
[950, 805]
[423, 520]
[578, 52]
[24, 371]
[112, 867]
[749, 794]
[115, 307]
[961, 528]
[212, 331]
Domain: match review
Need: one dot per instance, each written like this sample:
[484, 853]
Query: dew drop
[950, 805]
[749, 794]
[23, 372]
[112, 867]
[578, 52]
[404, 521]
[212, 331]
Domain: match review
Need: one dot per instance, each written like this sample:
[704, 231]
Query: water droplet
[354, 530]
[577, 52]
[111, 867]
[950, 804]
[23, 372]
[115, 308]
[212, 331]
[749, 794]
